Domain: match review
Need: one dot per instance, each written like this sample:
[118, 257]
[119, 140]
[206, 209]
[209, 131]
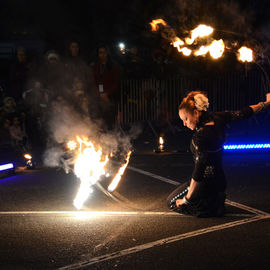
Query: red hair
[188, 102]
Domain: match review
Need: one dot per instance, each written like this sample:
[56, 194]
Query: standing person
[75, 65]
[51, 73]
[20, 71]
[106, 77]
[204, 195]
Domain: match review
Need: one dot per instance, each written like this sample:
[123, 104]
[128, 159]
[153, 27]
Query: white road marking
[164, 179]
[91, 213]
[161, 242]
[103, 213]
[247, 208]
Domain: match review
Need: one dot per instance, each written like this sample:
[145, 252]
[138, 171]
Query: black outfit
[206, 146]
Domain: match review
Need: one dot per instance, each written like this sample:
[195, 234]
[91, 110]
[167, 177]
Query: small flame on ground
[200, 31]
[161, 144]
[119, 174]
[245, 54]
[154, 24]
[27, 156]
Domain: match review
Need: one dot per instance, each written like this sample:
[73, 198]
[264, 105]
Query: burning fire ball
[90, 165]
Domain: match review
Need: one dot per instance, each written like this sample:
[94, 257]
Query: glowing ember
[216, 48]
[27, 156]
[203, 50]
[186, 51]
[245, 54]
[120, 172]
[71, 145]
[177, 43]
[201, 31]
[89, 167]
[154, 24]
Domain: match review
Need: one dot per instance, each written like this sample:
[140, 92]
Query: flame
[161, 141]
[27, 156]
[186, 51]
[89, 167]
[200, 31]
[177, 43]
[71, 145]
[216, 48]
[203, 50]
[245, 54]
[154, 24]
[120, 172]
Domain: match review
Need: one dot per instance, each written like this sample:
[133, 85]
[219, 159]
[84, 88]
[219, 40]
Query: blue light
[246, 146]
[6, 166]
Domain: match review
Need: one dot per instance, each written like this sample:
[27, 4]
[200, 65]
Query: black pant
[202, 204]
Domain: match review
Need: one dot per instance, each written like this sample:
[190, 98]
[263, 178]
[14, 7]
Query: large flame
[216, 48]
[154, 24]
[119, 174]
[89, 167]
[200, 31]
[245, 54]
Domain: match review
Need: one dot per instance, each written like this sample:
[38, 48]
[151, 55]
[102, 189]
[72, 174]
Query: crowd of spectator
[38, 89]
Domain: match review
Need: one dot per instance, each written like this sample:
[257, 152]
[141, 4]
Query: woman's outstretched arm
[261, 106]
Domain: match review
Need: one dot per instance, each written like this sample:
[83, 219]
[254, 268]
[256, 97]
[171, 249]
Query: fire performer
[204, 195]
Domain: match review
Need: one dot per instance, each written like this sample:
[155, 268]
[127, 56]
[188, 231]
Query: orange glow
[177, 43]
[71, 145]
[216, 48]
[200, 31]
[154, 24]
[89, 166]
[245, 54]
[203, 50]
[27, 156]
[119, 174]
[186, 51]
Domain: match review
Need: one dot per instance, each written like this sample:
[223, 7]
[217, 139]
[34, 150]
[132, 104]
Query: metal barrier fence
[152, 99]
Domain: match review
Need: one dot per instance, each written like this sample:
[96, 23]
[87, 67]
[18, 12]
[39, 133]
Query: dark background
[54, 22]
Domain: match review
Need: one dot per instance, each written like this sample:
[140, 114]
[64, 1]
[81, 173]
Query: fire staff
[204, 195]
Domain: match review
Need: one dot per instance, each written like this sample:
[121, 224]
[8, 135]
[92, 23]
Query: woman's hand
[268, 97]
[179, 202]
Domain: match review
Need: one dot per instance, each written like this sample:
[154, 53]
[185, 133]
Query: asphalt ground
[40, 228]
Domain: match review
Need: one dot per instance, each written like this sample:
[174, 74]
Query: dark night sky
[93, 21]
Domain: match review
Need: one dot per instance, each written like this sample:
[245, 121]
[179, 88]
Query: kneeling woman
[204, 194]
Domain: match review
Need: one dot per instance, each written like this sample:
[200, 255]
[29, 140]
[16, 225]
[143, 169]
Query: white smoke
[66, 123]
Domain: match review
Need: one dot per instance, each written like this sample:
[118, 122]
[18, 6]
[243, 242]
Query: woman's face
[189, 120]
[74, 48]
[102, 55]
